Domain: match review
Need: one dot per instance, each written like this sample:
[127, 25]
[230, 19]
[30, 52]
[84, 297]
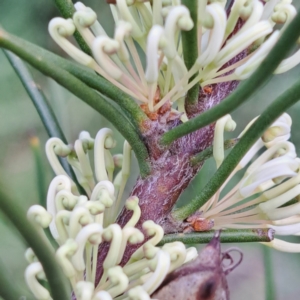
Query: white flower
[272, 180]
[79, 224]
[155, 26]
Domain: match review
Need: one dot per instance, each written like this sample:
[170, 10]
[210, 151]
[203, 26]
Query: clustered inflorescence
[151, 32]
[79, 224]
[267, 195]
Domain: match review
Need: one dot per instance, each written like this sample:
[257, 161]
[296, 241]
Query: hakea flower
[79, 224]
[267, 196]
[155, 27]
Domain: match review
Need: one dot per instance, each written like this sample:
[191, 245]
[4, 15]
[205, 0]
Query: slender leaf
[227, 236]
[88, 76]
[43, 108]
[38, 98]
[190, 48]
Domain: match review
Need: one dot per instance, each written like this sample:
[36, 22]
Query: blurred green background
[19, 121]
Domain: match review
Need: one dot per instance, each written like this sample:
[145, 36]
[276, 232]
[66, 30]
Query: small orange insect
[197, 223]
[208, 89]
[161, 111]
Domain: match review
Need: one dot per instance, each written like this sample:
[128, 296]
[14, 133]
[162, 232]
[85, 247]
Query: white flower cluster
[155, 27]
[79, 224]
[271, 180]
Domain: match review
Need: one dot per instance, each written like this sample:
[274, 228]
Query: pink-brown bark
[171, 168]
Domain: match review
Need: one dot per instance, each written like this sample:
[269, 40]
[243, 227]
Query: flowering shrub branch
[195, 52]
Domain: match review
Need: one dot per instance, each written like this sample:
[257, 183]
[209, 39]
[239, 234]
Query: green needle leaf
[86, 75]
[227, 236]
[38, 98]
[190, 48]
[43, 108]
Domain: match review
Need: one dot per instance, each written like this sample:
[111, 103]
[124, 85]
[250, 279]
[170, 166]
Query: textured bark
[171, 168]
